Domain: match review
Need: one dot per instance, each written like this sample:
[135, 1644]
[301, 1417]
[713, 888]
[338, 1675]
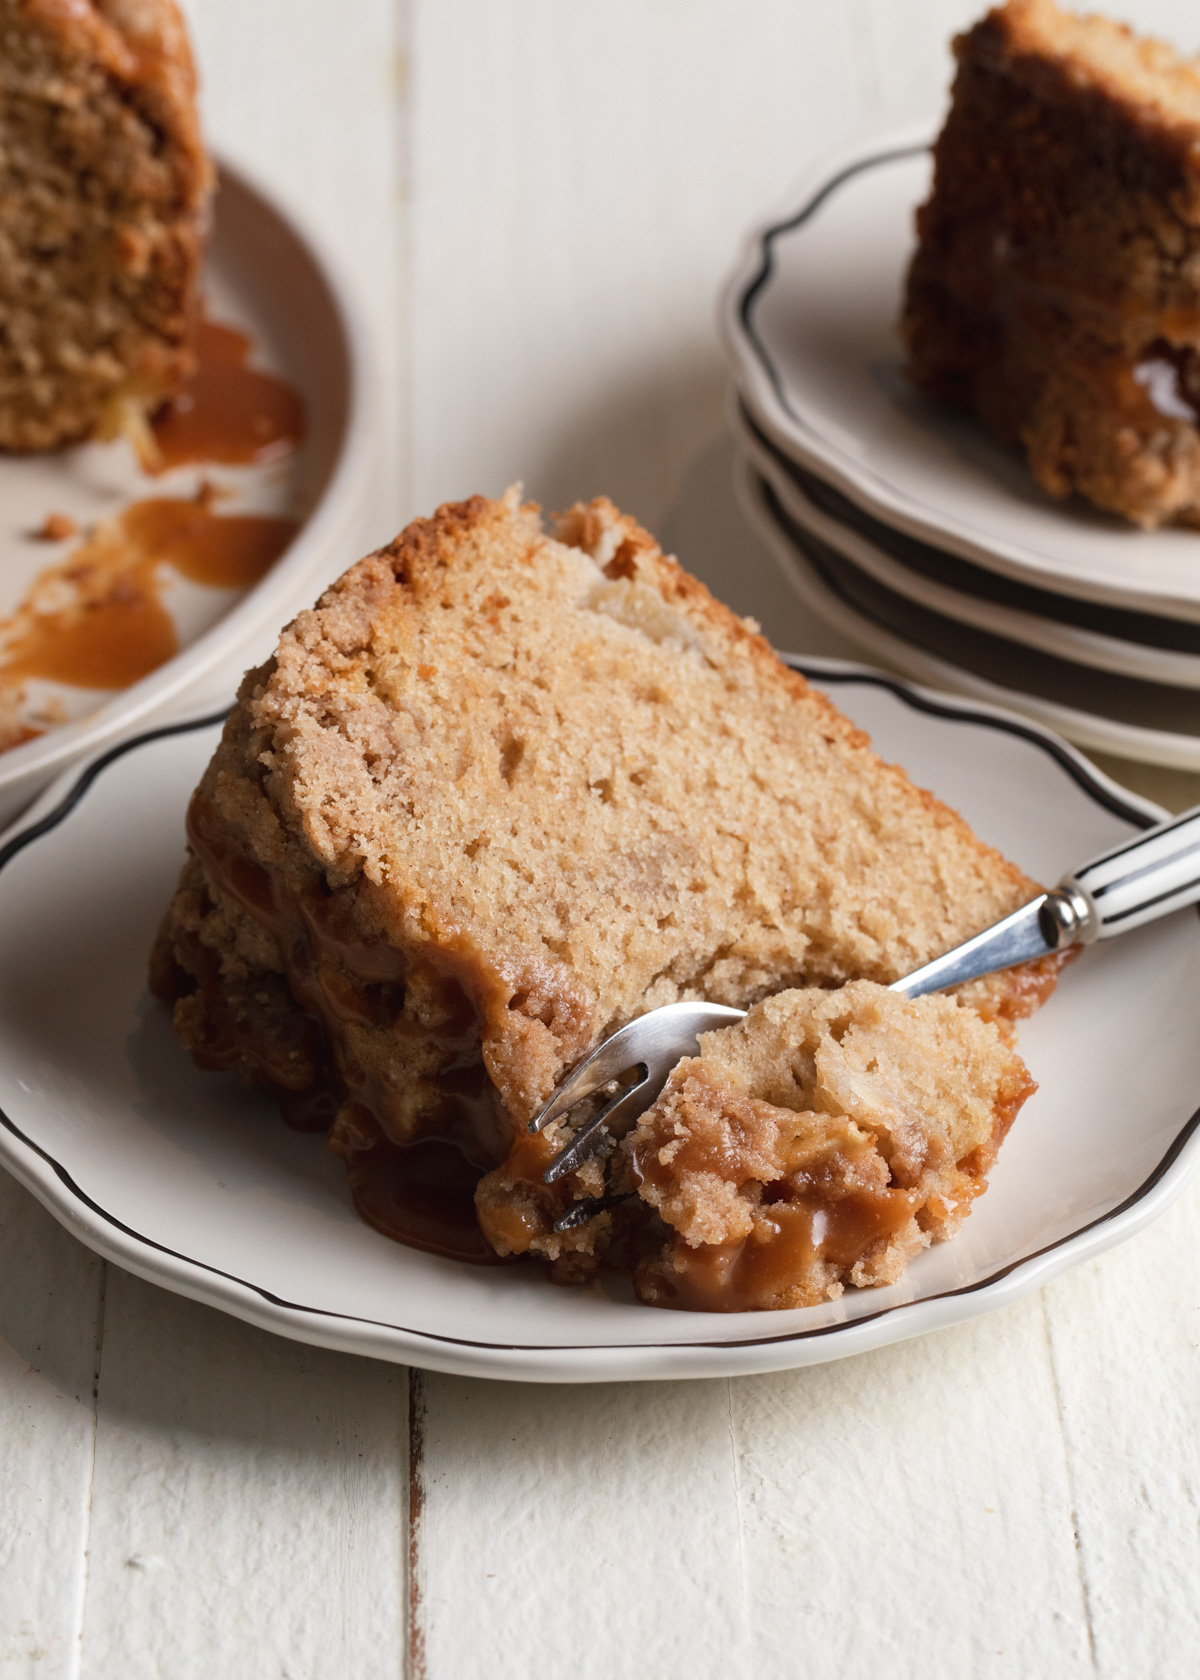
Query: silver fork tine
[632, 1100]
[606, 1061]
[655, 1042]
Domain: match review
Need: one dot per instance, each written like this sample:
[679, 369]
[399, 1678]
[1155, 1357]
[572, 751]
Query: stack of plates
[905, 525]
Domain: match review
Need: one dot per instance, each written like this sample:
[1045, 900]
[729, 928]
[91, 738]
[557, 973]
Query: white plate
[192, 1182]
[265, 276]
[795, 490]
[810, 327]
[1152, 723]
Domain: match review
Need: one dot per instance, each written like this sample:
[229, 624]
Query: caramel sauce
[514, 1223]
[227, 412]
[825, 1213]
[422, 1194]
[418, 1190]
[97, 619]
[221, 550]
[790, 1238]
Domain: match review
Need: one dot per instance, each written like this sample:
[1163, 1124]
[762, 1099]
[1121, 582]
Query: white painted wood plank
[909, 1513]
[248, 1502]
[310, 96]
[50, 1315]
[1125, 1333]
[583, 1531]
[581, 178]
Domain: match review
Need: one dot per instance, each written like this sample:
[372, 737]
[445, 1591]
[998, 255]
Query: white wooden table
[539, 199]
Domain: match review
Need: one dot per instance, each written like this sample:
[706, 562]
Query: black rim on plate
[766, 263]
[939, 564]
[1007, 664]
[951, 710]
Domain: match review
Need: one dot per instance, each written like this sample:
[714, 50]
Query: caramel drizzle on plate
[227, 412]
[96, 619]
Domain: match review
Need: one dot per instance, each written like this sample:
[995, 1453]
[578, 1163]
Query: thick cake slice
[104, 188]
[824, 1140]
[1055, 289]
[500, 792]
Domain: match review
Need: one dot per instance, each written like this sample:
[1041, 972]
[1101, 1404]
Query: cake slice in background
[498, 793]
[1055, 290]
[104, 190]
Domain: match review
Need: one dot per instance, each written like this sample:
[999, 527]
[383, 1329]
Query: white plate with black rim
[1152, 723]
[189, 1180]
[809, 321]
[1084, 632]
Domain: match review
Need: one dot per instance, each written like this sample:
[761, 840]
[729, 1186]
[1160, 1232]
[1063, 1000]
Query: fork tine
[580, 1212]
[632, 1099]
[606, 1061]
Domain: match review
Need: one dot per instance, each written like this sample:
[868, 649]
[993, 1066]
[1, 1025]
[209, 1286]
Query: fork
[1149, 876]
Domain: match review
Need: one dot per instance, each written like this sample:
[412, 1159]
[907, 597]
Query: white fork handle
[1140, 880]
[1154, 873]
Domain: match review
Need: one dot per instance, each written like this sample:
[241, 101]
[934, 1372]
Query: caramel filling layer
[810, 1225]
[412, 1170]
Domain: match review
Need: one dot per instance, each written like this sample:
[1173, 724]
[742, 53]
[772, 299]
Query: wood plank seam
[416, 1667]
[97, 1359]
[1080, 1555]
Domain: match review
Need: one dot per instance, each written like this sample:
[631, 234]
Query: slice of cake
[104, 188]
[824, 1140]
[1055, 289]
[497, 794]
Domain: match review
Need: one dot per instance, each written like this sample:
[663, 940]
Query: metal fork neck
[1067, 916]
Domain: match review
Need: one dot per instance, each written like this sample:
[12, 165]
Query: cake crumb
[56, 527]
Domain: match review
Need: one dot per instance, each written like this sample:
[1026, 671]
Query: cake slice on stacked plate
[975, 449]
